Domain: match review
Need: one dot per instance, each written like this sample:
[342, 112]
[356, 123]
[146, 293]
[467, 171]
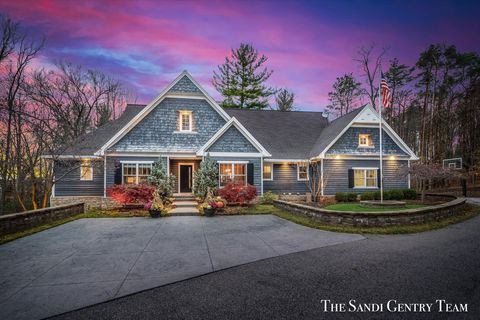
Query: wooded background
[435, 106]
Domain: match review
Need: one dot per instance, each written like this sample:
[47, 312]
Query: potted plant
[210, 208]
[156, 208]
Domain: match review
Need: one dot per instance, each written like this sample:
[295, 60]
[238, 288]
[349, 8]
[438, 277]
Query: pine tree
[285, 100]
[241, 79]
[345, 94]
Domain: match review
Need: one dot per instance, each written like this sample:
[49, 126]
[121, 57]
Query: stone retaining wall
[16, 222]
[375, 219]
[91, 203]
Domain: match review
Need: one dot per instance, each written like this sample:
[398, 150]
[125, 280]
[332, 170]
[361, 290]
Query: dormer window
[365, 141]
[185, 121]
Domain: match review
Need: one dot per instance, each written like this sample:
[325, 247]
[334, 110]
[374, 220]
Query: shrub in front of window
[206, 179]
[368, 196]
[346, 196]
[268, 197]
[164, 182]
[131, 193]
[238, 193]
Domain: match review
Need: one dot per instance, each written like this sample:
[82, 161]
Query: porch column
[321, 176]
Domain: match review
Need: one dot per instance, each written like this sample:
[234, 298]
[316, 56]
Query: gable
[159, 130]
[184, 85]
[232, 141]
[348, 143]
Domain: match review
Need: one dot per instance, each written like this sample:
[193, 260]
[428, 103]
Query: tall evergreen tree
[285, 100]
[345, 94]
[241, 79]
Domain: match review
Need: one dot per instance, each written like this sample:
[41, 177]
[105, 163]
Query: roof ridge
[271, 110]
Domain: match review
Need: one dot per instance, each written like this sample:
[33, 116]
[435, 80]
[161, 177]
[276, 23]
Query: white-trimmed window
[135, 173]
[185, 121]
[268, 171]
[365, 140]
[86, 170]
[302, 172]
[365, 178]
[232, 172]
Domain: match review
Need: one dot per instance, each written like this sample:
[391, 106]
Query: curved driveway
[413, 268]
[92, 260]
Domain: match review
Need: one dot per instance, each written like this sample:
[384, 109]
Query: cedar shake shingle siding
[184, 85]
[285, 180]
[159, 129]
[232, 141]
[336, 174]
[348, 143]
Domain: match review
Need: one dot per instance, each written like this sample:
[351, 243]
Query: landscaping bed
[353, 215]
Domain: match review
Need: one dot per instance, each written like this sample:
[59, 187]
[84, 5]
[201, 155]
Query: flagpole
[381, 142]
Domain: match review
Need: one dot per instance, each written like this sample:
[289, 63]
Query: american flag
[386, 94]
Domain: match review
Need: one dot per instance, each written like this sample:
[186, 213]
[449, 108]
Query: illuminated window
[185, 121]
[233, 172]
[302, 172]
[86, 170]
[135, 173]
[365, 140]
[365, 178]
[268, 171]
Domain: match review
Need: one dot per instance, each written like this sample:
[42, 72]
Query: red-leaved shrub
[131, 193]
[238, 193]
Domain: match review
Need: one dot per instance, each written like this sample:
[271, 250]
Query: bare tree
[370, 68]
[12, 102]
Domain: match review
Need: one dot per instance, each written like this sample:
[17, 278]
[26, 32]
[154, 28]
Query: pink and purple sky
[309, 43]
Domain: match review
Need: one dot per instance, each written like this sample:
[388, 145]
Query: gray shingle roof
[332, 131]
[91, 142]
[286, 135]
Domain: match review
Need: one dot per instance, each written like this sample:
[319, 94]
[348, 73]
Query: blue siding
[184, 85]
[159, 130]
[232, 141]
[348, 143]
[285, 180]
[69, 183]
[335, 174]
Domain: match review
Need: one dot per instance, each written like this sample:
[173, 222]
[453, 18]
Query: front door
[186, 175]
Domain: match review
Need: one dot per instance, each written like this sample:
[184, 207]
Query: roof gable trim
[233, 122]
[367, 115]
[145, 111]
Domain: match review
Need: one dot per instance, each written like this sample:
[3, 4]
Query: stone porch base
[91, 203]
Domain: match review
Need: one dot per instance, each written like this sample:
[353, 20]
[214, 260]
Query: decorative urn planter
[155, 213]
[209, 212]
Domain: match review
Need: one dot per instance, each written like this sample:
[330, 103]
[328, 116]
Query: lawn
[356, 207]
[470, 212]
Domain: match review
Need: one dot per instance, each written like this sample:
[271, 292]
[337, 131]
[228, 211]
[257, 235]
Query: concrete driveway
[93, 260]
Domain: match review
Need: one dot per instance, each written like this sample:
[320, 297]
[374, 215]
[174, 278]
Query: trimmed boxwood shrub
[396, 194]
[368, 196]
[409, 194]
[346, 196]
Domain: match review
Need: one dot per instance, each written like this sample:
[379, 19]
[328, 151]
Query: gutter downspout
[321, 176]
[105, 175]
[261, 175]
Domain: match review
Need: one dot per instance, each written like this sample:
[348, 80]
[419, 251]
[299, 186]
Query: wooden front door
[186, 177]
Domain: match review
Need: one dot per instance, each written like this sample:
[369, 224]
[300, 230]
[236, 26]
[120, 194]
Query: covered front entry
[183, 170]
[186, 177]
